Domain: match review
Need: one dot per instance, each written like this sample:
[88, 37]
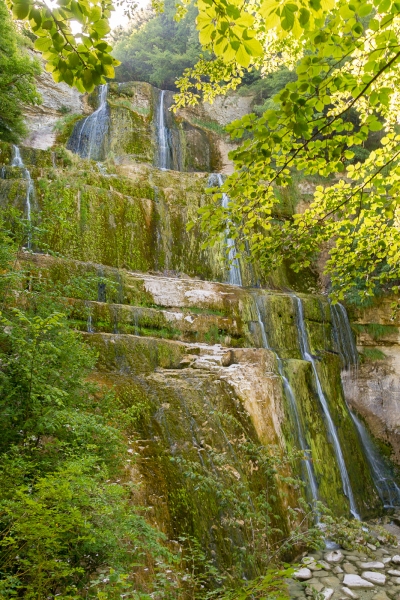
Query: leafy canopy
[82, 60]
[345, 55]
[17, 78]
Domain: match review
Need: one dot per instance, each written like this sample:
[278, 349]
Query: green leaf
[43, 44]
[21, 9]
[242, 57]
[101, 27]
[287, 17]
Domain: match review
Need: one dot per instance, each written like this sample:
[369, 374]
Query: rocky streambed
[346, 574]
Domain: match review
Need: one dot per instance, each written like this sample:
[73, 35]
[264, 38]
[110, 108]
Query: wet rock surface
[359, 576]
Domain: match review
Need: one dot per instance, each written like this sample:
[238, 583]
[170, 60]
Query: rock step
[136, 354]
[178, 324]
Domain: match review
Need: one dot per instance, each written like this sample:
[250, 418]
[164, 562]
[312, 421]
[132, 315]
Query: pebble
[381, 596]
[394, 573]
[396, 559]
[337, 570]
[349, 568]
[386, 560]
[331, 582]
[377, 578]
[316, 586]
[397, 580]
[327, 593]
[371, 546]
[336, 556]
[302, 574]
[371, 565]
[350, 594]
[355, 581]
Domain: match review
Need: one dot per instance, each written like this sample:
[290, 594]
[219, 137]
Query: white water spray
[311, 479]
[306, 354]
[235, 276]
[18, 162]
[164, 152]
[88, 135]
[388, 490]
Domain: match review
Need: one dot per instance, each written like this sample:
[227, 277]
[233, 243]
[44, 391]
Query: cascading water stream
[87, 137]
[306, 354]
[18, 162]
[235, 276]
[388, 490]
[164, 151]
[311, 479]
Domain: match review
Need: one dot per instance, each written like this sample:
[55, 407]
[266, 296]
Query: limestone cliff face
[374, 391]
[202, 368]
[198, 131]
[40, 119]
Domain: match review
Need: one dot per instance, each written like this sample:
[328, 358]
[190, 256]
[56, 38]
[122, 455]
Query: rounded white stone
[394, 573]
[355, 581]
[371, 565]
[302, 574]
[327, 593]
[396, 559]
[377, 578]
[335, 556]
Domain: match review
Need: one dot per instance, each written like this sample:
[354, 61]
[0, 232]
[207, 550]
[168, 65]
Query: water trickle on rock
[388, 490]
[332, 431]
[163, 136]
[30, 190]
[312, 486]
[88, 135]
[234, 275]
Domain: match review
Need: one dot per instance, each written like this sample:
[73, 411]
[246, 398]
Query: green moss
[197, 454]
[65, 126]
[375, 330]
[372, 354]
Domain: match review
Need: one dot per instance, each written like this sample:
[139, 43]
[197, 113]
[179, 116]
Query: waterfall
[87, 137]
[388, 490]
[164, 150]
[290, 396]
[344, 337]
[306, 354]
[235, 276]
[18, 162]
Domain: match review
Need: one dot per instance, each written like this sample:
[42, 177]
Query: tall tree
[159, 50]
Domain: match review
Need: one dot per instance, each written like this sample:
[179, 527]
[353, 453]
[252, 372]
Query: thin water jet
[88, 135]
[163, 137]
[18, 162]
[306, 354]
[387, 488]
[234, 275]
[290, 396]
